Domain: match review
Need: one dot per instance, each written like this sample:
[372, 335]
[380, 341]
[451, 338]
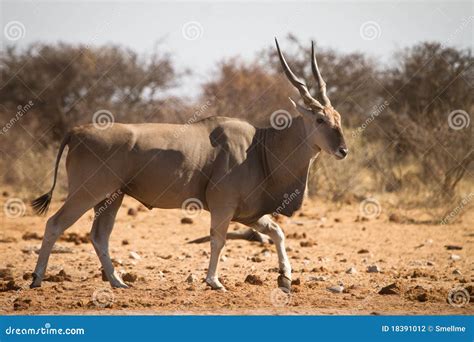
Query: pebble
[253, 280]
[351, 270]
[7, 239]
[187, 220]
[125, 242]
[21, 304]
[457, 272]
[129, 277]
[6, 274]
[31, 236]
[257, 259]
[453, 247]
[308, 243]
[391, 289]
[317, 278]
[9, 286]
[373, 269]
[455, 257]
[363, 251]
[134, 255]
[296, 281]
[132, 212]
[223, 258]
[336, 289]
[59, 277]
[191, 279]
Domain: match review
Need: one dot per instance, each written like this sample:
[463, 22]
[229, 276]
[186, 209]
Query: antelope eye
[319, 120]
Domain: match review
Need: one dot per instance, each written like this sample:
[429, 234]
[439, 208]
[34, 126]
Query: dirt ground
[323, 242]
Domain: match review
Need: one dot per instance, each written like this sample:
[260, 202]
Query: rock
[223, 258]
[373, 269]
[27, 276]
[307, 243]
[191, 279]
[7, 239]
[59, 277]
[296, 236]
[5, 193]
[6, 274]
[351, 270]
[134, 255]
[21, 304]
[317, 278]
[395, 218]
[129, 277]
[9, 286]
[453, 247]
[336, 289]
[391, 289]
[422, 297]
[455, 257]
[253, 280]
[430, 263]
[31, 236]
[337, 219]
[125, 242]
[76, 238]
[187, 220]
[457, 272]
[362, 251]
[132, 212]
[257, 259]
[297, 281]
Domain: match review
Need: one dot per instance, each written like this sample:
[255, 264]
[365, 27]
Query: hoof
[216, 285]
[284, 283]
[35, 283]
[116, 280]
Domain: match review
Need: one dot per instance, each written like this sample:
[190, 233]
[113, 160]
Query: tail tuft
[41, 204]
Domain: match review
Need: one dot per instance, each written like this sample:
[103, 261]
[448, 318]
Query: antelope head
[322, 121]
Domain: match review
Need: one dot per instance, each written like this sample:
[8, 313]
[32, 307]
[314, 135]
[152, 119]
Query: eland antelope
[237, 171]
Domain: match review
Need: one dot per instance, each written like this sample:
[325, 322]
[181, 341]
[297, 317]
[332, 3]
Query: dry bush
[248, 91]
[68, 83]
[427, 121]
[26, 166]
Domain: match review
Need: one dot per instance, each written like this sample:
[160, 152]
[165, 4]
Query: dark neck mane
[285, 158]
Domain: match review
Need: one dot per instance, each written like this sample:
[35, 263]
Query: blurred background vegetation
[395, 116]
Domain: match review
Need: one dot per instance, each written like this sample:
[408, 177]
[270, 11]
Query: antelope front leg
[220, 219]
[266, 226]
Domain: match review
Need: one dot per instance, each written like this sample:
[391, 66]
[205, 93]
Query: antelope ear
[301, 109]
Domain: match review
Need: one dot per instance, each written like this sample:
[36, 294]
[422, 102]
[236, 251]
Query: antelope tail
[41, 204]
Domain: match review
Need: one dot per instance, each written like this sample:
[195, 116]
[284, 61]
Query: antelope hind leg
[267, 226]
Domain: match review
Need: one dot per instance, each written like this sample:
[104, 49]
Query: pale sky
[222, 29]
